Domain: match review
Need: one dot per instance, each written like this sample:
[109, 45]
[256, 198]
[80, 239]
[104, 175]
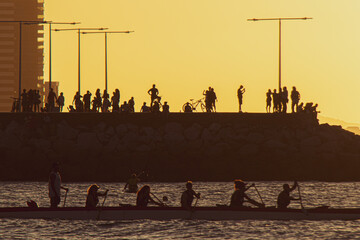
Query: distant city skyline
[186, 46]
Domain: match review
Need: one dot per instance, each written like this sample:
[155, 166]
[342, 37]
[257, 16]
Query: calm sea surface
[313, 194]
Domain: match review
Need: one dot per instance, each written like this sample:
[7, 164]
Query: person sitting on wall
[165, 108]
[144, 108]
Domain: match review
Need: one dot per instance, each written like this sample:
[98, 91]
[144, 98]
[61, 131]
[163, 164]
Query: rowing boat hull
[167, 213]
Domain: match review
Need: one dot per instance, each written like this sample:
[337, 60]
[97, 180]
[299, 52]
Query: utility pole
[79, 30]
[278, 19]
[106, 60]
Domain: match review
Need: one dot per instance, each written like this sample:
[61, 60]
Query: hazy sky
[185, 46]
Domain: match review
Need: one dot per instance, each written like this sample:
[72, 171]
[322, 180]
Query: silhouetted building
[32, 49]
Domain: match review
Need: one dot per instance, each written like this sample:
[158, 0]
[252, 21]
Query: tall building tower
[32, 47]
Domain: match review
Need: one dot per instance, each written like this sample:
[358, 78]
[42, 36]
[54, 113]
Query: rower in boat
[284, 197]
[188, 195]
[55, 185]
[92, 198]
[239, 196]
[132, 184]
[143, 197]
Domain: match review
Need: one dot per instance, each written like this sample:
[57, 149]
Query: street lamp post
[106, 61]
[79, 30]
[278, 19]
[20, 50]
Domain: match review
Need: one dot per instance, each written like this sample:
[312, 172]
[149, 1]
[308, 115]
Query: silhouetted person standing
[24, 100]
[51, 100]
[284, 99]
[208, 99]
[131, 104]
[240, 93]
[275, 101]
[61, 101]
[115, 101]
[213, 99]
[55, 186]
[295, 98]
[37, 101]
[87, 101]
[154, 92]
[268, 101]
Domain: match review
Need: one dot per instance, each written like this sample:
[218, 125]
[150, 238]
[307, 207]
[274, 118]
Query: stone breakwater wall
[176, 147]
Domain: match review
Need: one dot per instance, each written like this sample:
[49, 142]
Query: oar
[157, 199]
[102, 205]
[301, 204]
[65, 197]
[259, 195]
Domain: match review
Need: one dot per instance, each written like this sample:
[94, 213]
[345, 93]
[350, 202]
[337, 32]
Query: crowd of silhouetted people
[276, 102]
[280, 101]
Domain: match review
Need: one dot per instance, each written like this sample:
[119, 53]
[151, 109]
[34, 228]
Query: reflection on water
[313, 194]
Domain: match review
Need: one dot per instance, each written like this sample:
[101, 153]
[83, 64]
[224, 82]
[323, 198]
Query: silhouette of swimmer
[55, 185]
[268, 101]
[154, 92]
[240, 93]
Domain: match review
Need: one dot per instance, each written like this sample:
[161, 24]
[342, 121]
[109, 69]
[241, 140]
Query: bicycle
[195, 104]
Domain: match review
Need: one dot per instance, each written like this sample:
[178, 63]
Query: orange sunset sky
[185, 46]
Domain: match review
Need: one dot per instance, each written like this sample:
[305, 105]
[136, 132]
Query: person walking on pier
[295, 98]
[240, 93]
[55, 185]
[268, 101]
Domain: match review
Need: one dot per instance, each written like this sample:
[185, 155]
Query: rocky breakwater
[177, 150]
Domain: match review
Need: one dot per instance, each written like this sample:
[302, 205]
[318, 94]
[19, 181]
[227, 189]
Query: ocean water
[15, 194]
